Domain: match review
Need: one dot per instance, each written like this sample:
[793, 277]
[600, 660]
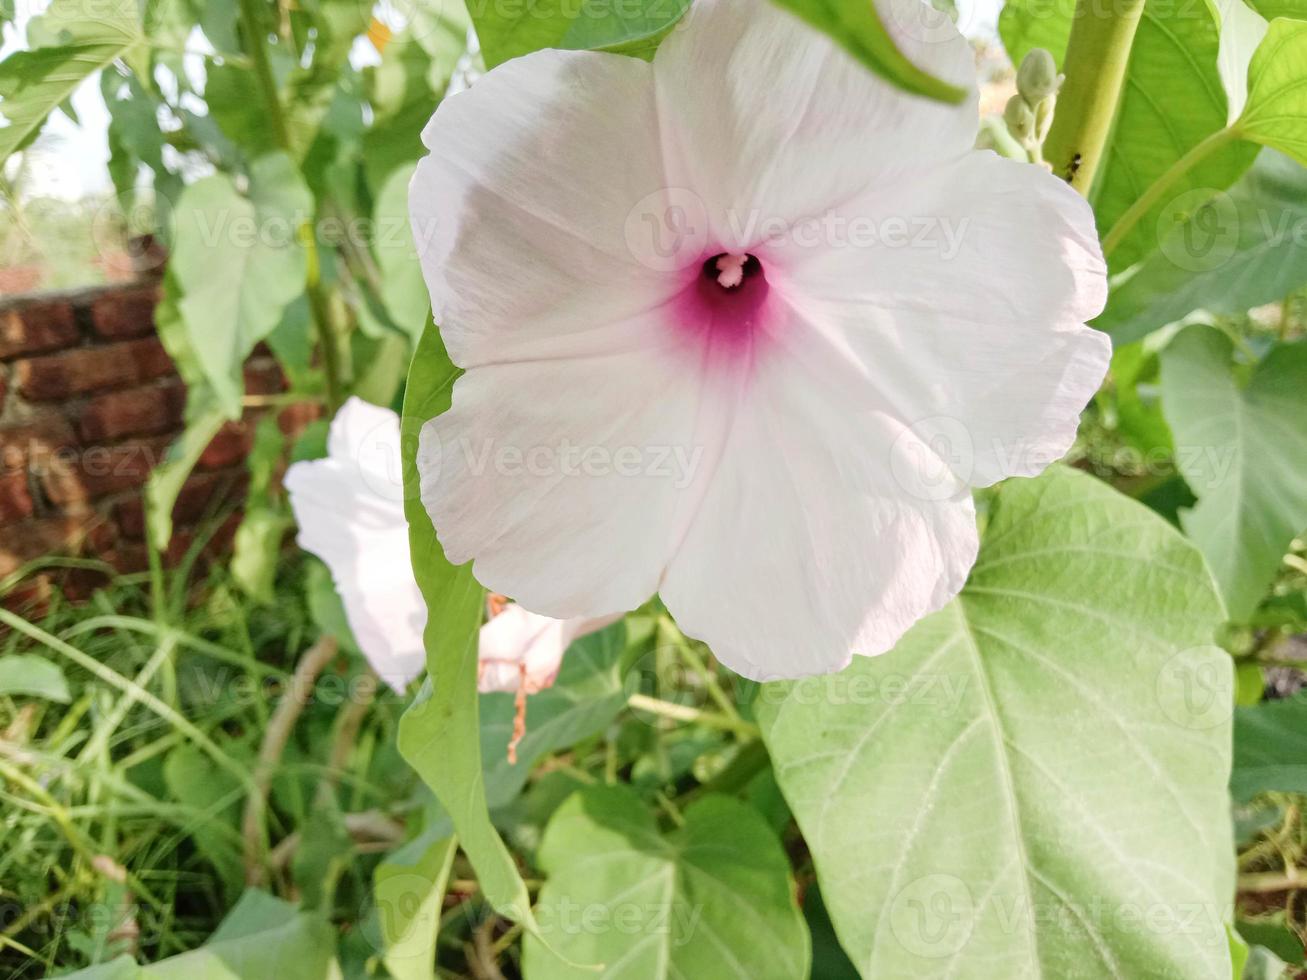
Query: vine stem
[319, 303]
[1145, 202]
[1096, 57]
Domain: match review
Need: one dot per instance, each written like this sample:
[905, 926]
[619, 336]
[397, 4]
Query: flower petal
[517, 637]
[563, 479]
[520, 210]
[767, 119]
[970, 321]
[351, 517]
[807, 547]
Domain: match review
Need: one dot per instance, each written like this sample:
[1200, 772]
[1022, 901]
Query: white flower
[742, 326]
[350, 510]
[520, 651]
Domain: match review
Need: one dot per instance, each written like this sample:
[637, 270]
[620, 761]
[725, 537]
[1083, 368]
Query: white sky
[73, 164]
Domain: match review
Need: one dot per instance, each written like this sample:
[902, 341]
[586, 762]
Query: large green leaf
[1234, 253]
[507, 30]
[711, 899]
[1025, 25]
[409, 887]
[262, 938]
[1276, 113]
[34, 82]
[238, 262]
[1243, 452]
[856, 26]
[439, 734]
[1173, 100]
[1033, 764]
[404, 291]
[1270, 749]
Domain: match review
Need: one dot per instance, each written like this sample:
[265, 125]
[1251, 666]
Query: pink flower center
[723, 306]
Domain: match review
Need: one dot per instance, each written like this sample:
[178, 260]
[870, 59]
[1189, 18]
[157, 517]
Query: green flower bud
[1037, 78]
[1020, 120]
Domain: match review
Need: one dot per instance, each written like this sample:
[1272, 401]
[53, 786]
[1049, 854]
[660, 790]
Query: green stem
[257, 39]
[1149, 198]
[1095, 65]
[689, 715]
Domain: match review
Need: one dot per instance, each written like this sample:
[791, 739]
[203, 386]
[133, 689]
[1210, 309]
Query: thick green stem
[1096, 58]
[257, 39]
[1145, 202]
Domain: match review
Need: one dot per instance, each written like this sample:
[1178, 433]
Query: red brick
[202, 494]
[125, 313]
[25, 540]
[74, 480]
[294, 419]
[263, 376]
[229, 447]
[34, 442]
[4, 387]
[35, 327]
[135, 412]
[15, 498]
[85, 369]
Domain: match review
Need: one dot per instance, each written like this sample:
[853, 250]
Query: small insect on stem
[1073, 169]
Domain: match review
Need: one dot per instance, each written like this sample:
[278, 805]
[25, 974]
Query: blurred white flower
[350, 510]
[743, 326]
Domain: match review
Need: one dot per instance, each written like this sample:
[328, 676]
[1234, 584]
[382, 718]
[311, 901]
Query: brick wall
[89, 402]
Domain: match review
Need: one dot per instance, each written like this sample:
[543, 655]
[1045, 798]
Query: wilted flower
[350, 510]
[742, 326]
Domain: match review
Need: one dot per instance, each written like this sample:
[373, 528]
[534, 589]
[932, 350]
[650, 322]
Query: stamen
[519, 714]
[730, 268]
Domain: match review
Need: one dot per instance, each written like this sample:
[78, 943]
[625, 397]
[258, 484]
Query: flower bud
[1020, 120]
[1037, 78]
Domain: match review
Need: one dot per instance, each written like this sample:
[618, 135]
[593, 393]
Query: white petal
[807, 547]
[767, 119]
[517, 638]
[564, 479]
[970, 327]
[520, 210]
[350, 516]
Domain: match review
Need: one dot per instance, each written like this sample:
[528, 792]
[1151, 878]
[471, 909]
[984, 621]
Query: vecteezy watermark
[937, 915]
[562, 460]
[1195, 688]
[938, 693]
[672, 227]
[1199, 230]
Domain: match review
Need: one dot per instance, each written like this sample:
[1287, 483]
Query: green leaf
[262, 938]
[1270, 749]
[439, 734]
[587, 695]
[509, 30]
[194, 780]
[404, 291]
[1025, 25]
[856, 26]
[238, 262]
[1173, 99]
[409, 887]
[1047, 753]
[1243, 452]
[1235, 252]
[1276, 113]
[203, 420]
[26, 674]
[713, 898]
[33, 83]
